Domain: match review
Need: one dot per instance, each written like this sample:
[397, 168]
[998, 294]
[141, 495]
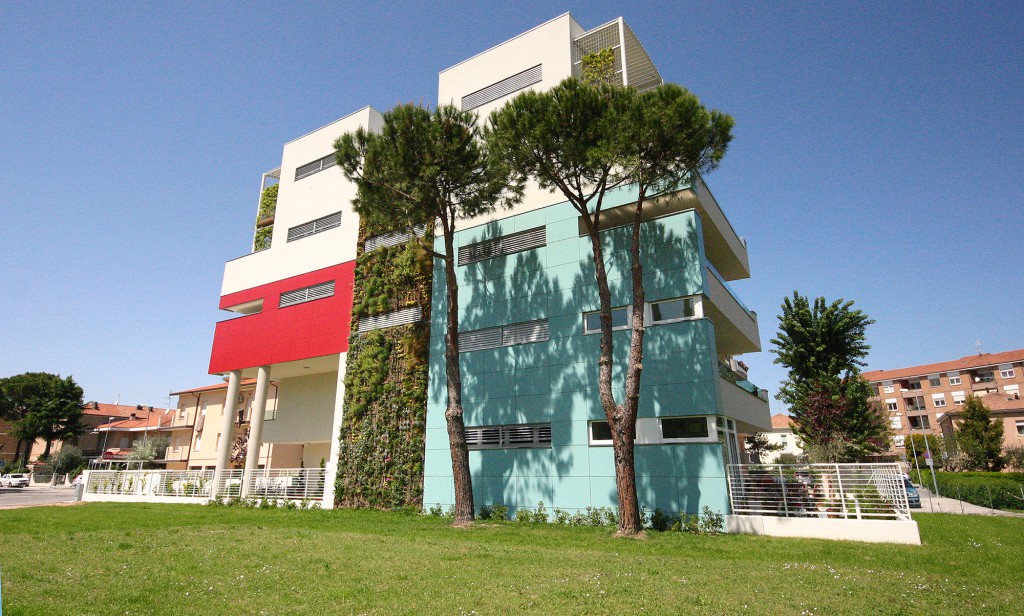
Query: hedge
[998, 490]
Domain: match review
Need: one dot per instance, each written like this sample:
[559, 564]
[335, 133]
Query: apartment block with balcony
[529, 340]
[918, 398]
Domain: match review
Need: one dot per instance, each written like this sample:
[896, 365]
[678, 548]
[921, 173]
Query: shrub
[486, 512]
[436, 511]
[660, 521]
[1014, 457]
[788, 458]
[998, 490]
[500, 512]
[711, 522]
[523, 515]
[540, 515]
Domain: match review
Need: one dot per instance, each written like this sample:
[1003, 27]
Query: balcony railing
[275, 483]
[287, 483]
[848, 491]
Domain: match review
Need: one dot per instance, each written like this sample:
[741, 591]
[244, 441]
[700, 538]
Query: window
[899, 441]
[316, 166]
[1007, 373]
[183, 413]
[919, 422]
[888, 389]
[314, 226]
[199, 441]
[958, 398]
[600, 433]
[939, 400]
[671, 310]
[502, 88]
[270, 414]
[915, 404]
[503, 335]
[1020, 427]
[915, 384]
[504, 245]
[896, 423]
[985, 377]
[1012, 390]
[954, 378]
[306, 294]
[684, 428]
[935, 381]
[509, 437]
[592, 320]
[891, 405]
[390, 319]
[385, 240]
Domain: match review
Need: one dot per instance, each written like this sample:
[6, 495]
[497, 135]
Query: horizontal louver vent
[390, 319]
[502, 88]
[504, 245]
[307, 294]
[506, 335]
[386, 240]
[314, 226]
[316, 166]
[505, 437]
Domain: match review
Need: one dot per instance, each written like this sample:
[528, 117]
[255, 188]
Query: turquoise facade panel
[555, 381]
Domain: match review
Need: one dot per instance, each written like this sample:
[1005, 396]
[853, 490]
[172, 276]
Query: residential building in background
[919, 397]
[782, 434]
[1008, 409]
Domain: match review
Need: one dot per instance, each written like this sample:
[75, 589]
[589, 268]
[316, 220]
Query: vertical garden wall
[382, 434]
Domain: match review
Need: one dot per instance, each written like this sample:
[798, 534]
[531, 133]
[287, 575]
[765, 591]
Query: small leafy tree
[824, 345]
[431, 167]
[583, 139]
[41, 405]
[268, 206]
[758, 446]
[68, 460]
[978, 438]
[921, 443]
[147, 449]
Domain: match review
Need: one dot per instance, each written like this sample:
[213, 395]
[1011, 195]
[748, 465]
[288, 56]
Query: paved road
[941, 504]
[35, 495]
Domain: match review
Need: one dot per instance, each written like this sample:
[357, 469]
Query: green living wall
[382, 434]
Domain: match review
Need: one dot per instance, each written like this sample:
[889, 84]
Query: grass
[104, 558]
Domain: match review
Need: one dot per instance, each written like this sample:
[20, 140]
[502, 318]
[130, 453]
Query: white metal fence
[288, 483]
[276, 483]
[849, 491]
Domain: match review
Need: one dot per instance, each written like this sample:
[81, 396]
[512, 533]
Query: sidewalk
[940, 504]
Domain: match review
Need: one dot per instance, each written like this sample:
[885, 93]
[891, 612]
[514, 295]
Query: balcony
[631, 64]
[736, 329]
[744, 402]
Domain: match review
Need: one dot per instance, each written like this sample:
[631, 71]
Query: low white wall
[135, 498]
[876, 531]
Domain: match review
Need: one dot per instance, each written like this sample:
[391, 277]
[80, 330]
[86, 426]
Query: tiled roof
[159, 418]
[102, 409]
[997, 403]
[214, 387]
[964, 363]
[781, 421]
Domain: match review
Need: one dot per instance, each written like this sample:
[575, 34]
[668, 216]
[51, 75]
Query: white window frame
[629, 320]
[1007, 374]
[695, 308]
[892, 404]
[959, 398]
[1011, 389]
[896, 422]
[899, 441]
[954, 378]
[712, 434]
[649, 431]
[1020, 427]
[888, 389]
[938, 400]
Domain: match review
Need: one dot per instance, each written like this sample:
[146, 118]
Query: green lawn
[181, 559]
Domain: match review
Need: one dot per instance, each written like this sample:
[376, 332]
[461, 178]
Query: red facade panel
[276, 335]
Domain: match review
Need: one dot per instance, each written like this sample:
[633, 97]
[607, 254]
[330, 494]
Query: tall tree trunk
[17, 451]
[464, 508]
[623, 431]
[625, 470]
[46, 452]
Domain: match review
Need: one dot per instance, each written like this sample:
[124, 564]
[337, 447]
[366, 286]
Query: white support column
[259, 407]
[227, 425]
[331, 474]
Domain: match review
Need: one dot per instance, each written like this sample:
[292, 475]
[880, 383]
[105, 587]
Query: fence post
[842, 494]
[785, 501]
[991, 507]
[960, 498]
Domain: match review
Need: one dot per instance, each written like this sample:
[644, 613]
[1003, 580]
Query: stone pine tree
[979, 439]
[41, 405]
[432, 167]
[583, 139]
[824, 345]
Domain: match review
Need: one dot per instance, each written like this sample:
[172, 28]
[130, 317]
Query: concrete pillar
[331, 476]
[259, 407]
[227, 428]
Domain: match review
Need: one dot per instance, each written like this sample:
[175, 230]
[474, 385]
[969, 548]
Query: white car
[15, 480]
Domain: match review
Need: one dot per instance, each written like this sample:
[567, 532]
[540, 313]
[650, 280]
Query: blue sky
[877, 157]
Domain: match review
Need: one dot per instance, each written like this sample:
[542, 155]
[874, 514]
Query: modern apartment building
[358, 374]
[918, 397]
